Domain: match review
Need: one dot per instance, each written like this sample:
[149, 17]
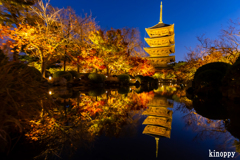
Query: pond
[135, 124]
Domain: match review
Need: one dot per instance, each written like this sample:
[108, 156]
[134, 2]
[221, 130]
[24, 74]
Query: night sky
[191, 17]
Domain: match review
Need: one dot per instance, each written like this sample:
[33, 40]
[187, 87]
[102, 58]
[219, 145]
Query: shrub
[22, 98]
[149, 79]
[64, 74]
[209, 78]
[231, 79]
[103, 77]
[96, 78]
[96, 92]
[21, 68]
[219, 66]
[36, 74]
[123, 90]
[124, 78]
[74, 74]
[84, 76]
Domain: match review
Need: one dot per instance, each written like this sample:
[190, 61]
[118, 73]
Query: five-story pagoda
[161, 42]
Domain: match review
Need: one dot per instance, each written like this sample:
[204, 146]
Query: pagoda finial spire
[161, 13]
[157, 139]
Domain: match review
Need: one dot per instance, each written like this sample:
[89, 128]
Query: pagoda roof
[169, 46]
[156, 130]
[159, 25]
[161, 57]
[166, 36]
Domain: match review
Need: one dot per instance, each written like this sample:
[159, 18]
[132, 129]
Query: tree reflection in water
[77, 121]
[72, 119]
[212, 117]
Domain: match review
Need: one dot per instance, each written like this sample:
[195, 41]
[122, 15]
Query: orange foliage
[141, 66]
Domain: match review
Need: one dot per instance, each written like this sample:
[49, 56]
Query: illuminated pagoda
[161, 42]
[159, 100]
[159, 119]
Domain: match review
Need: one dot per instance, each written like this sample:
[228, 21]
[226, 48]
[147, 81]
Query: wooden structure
[159, 118]
[161, 42]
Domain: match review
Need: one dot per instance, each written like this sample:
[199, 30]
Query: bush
[149, 79]
[210, 79]
[103, 77]
[74, 74]
[35, 73]
[21, 68]
[96, 78]
[64, 74]
[123, 90]
[96, 92]
[123, 78]
[22, 98]
[84, 76]
[231, 80]
[219, 66]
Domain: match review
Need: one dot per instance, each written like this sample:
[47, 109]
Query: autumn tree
[134, 44]
[224, 49]
[76, 30]
[110, 46]
[43, 39]
[14, 12]
[140, 66]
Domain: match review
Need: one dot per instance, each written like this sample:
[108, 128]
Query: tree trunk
[64, 61]
[107, 70]
[15, 55]
[43, 67]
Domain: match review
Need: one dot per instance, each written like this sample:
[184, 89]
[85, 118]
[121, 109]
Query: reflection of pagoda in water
[161, 42]
[159, 119]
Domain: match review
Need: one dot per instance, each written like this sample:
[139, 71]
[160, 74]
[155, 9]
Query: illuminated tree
[40, 40]
[16, 11]
[110, 47]
[77, 31]
[140, 66]
[132, 37]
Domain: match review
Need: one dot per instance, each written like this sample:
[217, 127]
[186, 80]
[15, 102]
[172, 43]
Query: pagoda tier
[158, 111]
[159, 62]
[160, 41]
[160, 30]
[156, 130]
[160, 101]
[160, 121]
[160, 51]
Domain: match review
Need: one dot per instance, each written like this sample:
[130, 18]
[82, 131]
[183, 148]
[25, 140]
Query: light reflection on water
[108, 124]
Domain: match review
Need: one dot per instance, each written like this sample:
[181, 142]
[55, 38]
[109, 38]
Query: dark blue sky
[191, 17]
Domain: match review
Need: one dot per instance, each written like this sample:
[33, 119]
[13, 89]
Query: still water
[138, 124]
